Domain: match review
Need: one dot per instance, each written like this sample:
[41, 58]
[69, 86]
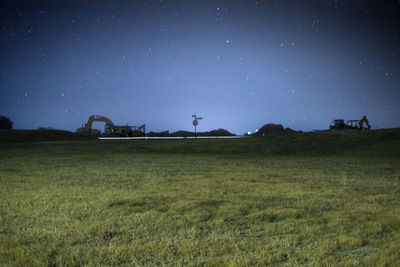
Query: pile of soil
[273, 129]
[181, 133]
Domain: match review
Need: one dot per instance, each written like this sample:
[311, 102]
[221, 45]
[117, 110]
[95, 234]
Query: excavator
[87, 128]
[339, 124]
[124, 131]
[111, 130]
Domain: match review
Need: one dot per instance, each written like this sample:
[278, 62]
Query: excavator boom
[87, 129]
[94, 118]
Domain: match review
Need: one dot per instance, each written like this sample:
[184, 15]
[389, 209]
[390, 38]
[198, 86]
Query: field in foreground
[303, 199]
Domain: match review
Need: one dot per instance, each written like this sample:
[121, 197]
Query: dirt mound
[181, 133]
[273, 129]
[219, 132]
[159, 134]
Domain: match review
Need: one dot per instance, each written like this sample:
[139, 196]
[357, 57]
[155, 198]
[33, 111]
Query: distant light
[227, 41]
[248, 133]
[256, 130]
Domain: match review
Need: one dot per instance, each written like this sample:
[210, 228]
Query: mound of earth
[159, 134]
[273, 129]
[181, 133]
[219, 132]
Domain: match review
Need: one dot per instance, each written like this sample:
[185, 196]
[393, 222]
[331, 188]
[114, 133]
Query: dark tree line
[5, 123]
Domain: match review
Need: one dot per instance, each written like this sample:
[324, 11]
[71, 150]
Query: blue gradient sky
[238, 64]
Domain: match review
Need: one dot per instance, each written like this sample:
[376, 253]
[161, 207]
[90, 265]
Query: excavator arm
[142, 128]
[87, 129]
[362, 121]
[94, 118]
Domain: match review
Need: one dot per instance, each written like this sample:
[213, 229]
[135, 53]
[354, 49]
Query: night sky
[238, 64]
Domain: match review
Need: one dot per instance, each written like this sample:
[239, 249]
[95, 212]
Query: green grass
[302, 199]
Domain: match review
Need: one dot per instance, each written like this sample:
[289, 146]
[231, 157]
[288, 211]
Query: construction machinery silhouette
[111, 130]
[339, 124]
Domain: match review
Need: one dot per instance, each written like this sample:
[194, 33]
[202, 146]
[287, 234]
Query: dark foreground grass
[310, 199]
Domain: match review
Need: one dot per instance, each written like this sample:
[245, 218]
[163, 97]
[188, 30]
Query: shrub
[5, 123]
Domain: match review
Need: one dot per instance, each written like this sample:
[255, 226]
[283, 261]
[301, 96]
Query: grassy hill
[318, 199]
[318, 143]
[27, 136]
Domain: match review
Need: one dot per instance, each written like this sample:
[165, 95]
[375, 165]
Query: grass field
[303, 199]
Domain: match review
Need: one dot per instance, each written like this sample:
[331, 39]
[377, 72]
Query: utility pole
[195, 123]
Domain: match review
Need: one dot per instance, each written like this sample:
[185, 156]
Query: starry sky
[237, 64]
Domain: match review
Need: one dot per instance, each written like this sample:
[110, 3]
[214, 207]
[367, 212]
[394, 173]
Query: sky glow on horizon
[237, 64]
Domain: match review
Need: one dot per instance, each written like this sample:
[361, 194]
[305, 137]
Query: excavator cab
[337, 124]
[352, 124]
[107, 129]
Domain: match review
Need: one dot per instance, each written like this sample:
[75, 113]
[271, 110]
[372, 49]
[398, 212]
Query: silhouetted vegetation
[5, 123]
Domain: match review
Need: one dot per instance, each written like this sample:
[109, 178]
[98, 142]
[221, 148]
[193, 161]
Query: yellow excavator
[339, 124]
[110, 129]
[87, 128]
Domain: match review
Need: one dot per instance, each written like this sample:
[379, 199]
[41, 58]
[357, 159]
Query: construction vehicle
[339, 124]
[124, 131]
[111, 130]
[87, 128]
